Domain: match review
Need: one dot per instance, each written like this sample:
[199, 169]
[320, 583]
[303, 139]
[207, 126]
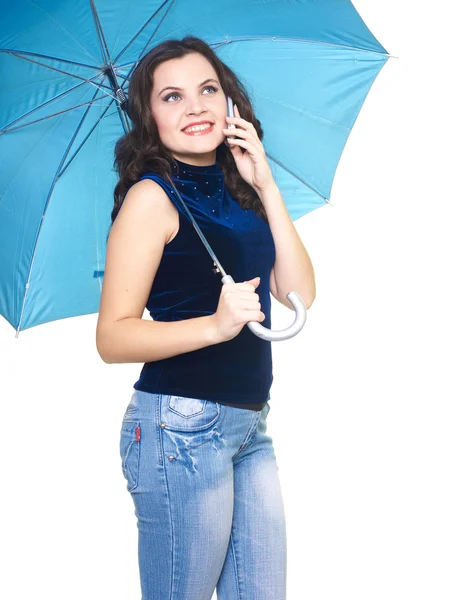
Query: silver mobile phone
[230, 113]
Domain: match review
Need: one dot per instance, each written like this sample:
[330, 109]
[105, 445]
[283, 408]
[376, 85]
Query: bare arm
[138, 340]
[134, 251]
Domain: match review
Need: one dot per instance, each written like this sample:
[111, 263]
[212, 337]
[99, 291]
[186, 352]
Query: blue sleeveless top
[238, 371]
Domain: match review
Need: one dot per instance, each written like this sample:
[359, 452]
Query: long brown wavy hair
[140, 150]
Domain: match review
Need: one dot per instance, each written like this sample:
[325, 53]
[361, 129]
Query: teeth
[198, 127]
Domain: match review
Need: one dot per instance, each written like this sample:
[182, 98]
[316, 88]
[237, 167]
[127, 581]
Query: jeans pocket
[130, 452]
[180, 413]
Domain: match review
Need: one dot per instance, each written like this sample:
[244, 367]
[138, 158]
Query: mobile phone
[230, 113]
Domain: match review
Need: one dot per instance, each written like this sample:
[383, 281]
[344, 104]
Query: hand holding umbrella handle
[281, 334]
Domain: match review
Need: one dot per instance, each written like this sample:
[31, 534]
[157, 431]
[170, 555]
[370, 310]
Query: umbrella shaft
[218, 267]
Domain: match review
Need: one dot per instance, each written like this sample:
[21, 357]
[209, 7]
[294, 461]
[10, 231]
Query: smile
[199, 130]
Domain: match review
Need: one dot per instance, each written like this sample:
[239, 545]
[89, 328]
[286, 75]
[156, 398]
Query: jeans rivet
[171, 458]
[162, 425]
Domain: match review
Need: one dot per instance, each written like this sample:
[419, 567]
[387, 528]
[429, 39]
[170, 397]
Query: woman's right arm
[134, 251]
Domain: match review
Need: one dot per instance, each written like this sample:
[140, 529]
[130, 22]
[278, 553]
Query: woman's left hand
[252, 164]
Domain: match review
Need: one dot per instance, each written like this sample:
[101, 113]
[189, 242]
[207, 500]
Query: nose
[195, 108]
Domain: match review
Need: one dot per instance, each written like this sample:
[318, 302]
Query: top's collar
[183, 168]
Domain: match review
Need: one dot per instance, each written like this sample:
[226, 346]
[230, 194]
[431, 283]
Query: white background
[362, 400]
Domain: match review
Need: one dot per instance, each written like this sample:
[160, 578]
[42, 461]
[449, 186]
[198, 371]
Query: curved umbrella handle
[280, 334]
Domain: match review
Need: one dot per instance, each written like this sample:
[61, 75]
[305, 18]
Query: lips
[195, 124]
[199, 133]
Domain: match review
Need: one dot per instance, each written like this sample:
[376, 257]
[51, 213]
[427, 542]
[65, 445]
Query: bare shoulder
[148, 200]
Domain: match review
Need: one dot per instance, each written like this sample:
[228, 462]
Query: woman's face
[175, 109]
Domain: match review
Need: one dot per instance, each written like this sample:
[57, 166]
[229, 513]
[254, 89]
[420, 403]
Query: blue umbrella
[308, 66]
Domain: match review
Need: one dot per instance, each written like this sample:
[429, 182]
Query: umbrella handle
[280, 334]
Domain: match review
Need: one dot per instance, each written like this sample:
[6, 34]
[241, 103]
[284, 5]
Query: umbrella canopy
[308, 66]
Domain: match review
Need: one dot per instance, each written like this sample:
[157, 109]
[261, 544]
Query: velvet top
[186, 286]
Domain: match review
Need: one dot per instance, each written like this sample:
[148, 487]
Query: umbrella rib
[89, 102]
[126, 78]
[300, 110]
[282, 39]
[63, 60]
[24, 116]
[296, 176]
[108, 63]
[99, 31]
[300, 40]
[85, 139]
[135, 36]
[100, 85]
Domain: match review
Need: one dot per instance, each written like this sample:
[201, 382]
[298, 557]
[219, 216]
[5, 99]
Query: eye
[176, 94]
[170, 96]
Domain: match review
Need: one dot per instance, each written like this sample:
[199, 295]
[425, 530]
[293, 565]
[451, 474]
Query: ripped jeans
[210, 515]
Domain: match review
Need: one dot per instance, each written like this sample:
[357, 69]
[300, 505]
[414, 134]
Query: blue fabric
[186, 286]
[184, 478]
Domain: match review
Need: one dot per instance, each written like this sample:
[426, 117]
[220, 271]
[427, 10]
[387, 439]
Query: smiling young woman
[194, 449]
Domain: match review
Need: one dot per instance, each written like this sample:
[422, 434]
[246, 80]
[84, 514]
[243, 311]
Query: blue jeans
[208, 501]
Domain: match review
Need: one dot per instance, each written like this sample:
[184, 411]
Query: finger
[236, 131]
[244, 287]
[242, 143]
[246, 124]
[250, 302]
[240, 121]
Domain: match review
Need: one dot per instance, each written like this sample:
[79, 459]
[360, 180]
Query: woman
[197, 460]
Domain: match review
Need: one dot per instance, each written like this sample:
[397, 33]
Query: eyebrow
[172, 87]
